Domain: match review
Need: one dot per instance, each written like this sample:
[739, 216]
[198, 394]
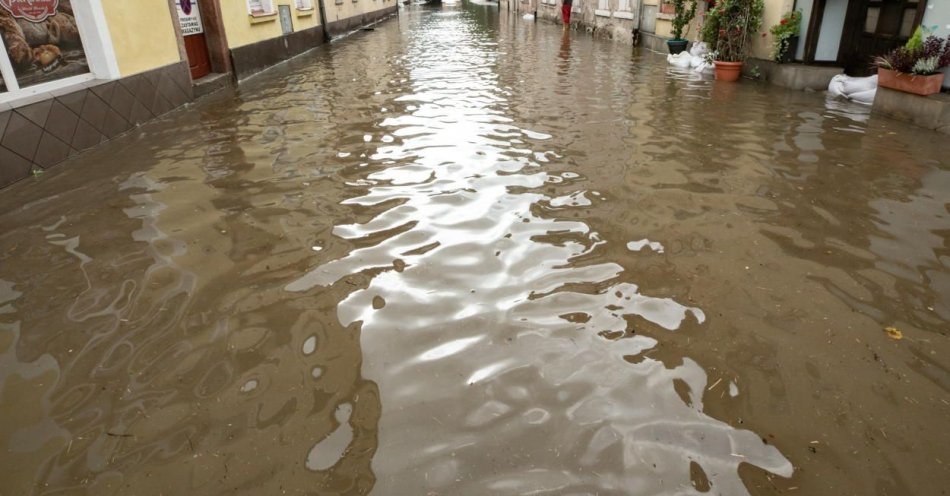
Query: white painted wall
[937, 16]
[805, 6]
[829, 39]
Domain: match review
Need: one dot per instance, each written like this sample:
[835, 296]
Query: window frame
[97, 45]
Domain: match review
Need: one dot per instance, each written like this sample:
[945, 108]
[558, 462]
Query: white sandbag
[836, 86]
[865, 97]
[699, 49]
[705, 67]
[694, 61]
[852, 85]
[528, 17]
[679, 60]
[858, 89]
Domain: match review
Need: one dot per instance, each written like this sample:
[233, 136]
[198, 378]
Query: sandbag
[853, 85]
[836, 86]
[857, 89]
[699, 49]
[866, 97]
[705, 67]
[681, 59]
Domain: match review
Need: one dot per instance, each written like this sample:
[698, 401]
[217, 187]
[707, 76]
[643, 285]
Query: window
[304, 4]
[624, 9]
[603, 8]
[891, 18]
[261, 7]
[41, 44]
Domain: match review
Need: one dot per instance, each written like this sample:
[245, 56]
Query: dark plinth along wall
[42, 134]
[256, 57]
[349, 24]
[253, 58]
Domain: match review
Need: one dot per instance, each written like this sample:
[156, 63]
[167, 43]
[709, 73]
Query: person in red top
[566, 12]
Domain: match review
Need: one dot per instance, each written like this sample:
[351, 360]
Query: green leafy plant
[917, 40]
[728, 27]
[682, 16]
[782, 33]
[921, 57]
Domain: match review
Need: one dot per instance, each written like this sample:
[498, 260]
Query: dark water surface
[465, 254]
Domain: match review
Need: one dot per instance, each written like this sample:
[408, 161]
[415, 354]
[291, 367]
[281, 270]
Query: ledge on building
[794, 76]
[931, 112]
[261, 18]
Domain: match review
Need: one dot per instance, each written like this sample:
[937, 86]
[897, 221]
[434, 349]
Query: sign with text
[31, 10]
[189, 17]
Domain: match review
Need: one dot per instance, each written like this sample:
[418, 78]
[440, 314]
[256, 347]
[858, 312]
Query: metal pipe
[323, 20]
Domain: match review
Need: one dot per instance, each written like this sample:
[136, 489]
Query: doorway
[875, 27]
[192, 32]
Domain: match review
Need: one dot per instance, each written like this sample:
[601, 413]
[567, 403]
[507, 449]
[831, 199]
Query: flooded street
[467, 254]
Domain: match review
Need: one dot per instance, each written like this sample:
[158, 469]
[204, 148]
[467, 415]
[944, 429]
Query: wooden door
[875, 27]
[198, 59]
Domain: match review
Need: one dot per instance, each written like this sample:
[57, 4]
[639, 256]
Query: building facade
[76, 73]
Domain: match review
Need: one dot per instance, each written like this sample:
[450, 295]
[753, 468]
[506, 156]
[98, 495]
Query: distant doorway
[192, 31]
[874, 27]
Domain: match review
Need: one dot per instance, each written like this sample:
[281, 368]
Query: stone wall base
[343, 26]
[931, 112]
[251, 59]
[792, 76]
[40, 135]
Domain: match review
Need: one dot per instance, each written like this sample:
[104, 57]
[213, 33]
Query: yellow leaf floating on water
[894, 333]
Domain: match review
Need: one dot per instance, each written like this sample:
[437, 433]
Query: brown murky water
[464, 254]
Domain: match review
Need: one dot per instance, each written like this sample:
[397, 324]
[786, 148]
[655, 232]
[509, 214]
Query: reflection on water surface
[464, 254]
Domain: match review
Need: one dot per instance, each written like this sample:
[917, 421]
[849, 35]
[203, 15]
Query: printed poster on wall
[42, 40]
[189, 17]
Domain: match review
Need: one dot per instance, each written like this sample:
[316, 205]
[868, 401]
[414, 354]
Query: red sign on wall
[31, 10]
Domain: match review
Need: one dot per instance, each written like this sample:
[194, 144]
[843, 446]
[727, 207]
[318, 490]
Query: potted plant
[728, 30]
[785, 36]
[681, 18]
[915, 67]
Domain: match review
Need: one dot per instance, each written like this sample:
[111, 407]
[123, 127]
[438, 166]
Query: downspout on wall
[323, 20]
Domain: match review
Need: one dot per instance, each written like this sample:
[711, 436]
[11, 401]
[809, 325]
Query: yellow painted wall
[774, 9]
[349, 8]
[664, 26]
[241, 31]
[143, 34]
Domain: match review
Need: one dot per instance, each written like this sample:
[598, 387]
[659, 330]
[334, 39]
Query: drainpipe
[636, 28]
[323, 20]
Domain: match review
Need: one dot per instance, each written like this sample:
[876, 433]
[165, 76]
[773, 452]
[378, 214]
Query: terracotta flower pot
[728, 71]
[909, 83]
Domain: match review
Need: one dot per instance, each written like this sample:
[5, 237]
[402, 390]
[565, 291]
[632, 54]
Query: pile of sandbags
[856, 89]
[695, 58]
[679, 60]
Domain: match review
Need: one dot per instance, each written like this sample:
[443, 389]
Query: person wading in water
[566, 13]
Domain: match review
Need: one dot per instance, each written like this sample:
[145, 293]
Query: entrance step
[210, 83]
[794, 76]
[931, 112]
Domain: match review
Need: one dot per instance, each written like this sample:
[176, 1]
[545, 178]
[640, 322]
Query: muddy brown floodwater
[465, 254]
